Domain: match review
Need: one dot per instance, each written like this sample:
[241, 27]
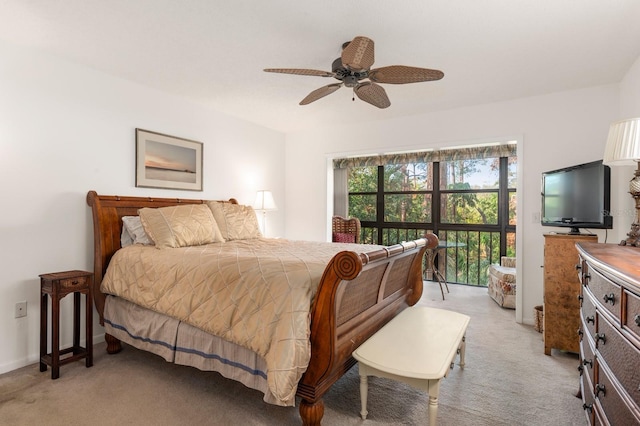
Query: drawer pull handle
[581, 369]
[580, 298]
[591, 319]
[588, 362]
[637, 319]
[600, 388]
[578, 267]
[580, 333]
[610, 298]
[587, 407]
[74, 282]
[600, 336]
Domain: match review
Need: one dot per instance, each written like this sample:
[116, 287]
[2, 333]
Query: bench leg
[364, 389]
[462, 349]
[434, 391]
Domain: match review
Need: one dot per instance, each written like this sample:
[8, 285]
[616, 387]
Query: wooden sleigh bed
[357, 294]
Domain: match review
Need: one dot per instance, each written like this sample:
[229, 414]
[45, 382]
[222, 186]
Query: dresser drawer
[617, 411]
[73, 283]
[598, 418]
[587, 359]
[621, 358]
[588, 401]
[631, 322]
[588, 313]
[605, 292]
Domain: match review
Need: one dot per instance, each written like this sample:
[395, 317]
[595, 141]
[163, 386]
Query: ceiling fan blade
[372, 93]
[301, 71]
[358, 55]
[320, 93]
[401, 74]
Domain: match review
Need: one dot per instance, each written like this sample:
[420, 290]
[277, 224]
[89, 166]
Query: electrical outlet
[21, 309]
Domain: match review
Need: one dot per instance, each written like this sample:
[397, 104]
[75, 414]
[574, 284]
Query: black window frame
[415, 229]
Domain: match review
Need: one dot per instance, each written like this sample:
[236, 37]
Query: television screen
[577, 197]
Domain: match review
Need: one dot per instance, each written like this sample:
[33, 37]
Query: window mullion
[503, 203]
[435, 198]
[380, 204]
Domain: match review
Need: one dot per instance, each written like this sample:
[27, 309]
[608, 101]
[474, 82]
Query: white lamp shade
[623, 143]
[264, 201]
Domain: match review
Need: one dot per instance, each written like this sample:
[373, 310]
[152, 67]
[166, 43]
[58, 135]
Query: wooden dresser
[610, 333]
[561, 289]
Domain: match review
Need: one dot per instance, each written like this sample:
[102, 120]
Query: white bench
[418, 347]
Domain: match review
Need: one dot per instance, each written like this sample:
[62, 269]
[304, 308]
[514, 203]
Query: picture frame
[168, 162]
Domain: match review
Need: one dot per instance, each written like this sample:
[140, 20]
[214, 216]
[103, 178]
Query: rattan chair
[345, 230]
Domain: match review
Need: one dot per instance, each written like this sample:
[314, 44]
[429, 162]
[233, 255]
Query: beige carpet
[507, 381]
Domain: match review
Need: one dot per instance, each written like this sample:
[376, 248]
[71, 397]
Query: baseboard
[35, 357]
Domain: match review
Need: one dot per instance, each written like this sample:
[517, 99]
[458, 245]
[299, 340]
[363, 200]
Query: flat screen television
[577, 197]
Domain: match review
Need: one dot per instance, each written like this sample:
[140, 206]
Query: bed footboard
[358, 294]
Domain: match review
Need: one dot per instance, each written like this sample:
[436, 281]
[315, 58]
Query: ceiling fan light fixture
[350, 81]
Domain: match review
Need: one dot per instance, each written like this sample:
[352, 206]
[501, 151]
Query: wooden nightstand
[58, 285]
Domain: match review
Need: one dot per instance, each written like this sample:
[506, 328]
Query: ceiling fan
[353, 69]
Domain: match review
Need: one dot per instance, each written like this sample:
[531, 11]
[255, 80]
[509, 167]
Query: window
[472, 204]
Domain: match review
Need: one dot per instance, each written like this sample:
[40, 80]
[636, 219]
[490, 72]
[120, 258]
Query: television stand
[561, 287]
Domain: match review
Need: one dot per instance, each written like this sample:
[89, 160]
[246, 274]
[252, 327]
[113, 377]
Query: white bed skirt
[184, 344]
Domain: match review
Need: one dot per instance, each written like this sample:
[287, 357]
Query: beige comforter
[256, 293]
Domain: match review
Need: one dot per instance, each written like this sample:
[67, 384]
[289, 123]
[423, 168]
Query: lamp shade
[264, 201]
[623, 143]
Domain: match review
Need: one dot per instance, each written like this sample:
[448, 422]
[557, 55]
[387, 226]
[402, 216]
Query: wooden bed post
[311, 413]
[114, 345]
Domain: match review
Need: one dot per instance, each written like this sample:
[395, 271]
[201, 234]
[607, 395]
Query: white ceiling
[214, 51]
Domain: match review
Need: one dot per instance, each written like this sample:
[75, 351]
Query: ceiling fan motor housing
[344, 74]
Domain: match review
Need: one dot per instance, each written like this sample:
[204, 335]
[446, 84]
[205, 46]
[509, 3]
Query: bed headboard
[108, 211]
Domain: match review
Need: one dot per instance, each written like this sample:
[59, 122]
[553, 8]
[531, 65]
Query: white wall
[65, 130]
[620, 175]
[630, 92]
[555, 130]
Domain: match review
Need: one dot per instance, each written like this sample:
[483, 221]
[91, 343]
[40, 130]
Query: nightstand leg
[76, 322]
[43, 329]
[89, 328]
[55, 340]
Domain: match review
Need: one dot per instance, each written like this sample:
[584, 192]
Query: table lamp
[623, 148]
[264, 203]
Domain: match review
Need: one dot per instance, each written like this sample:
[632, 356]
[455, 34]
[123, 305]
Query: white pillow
[135, 233]
[125, 237]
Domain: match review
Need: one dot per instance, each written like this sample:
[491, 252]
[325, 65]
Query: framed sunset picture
[169, 162]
